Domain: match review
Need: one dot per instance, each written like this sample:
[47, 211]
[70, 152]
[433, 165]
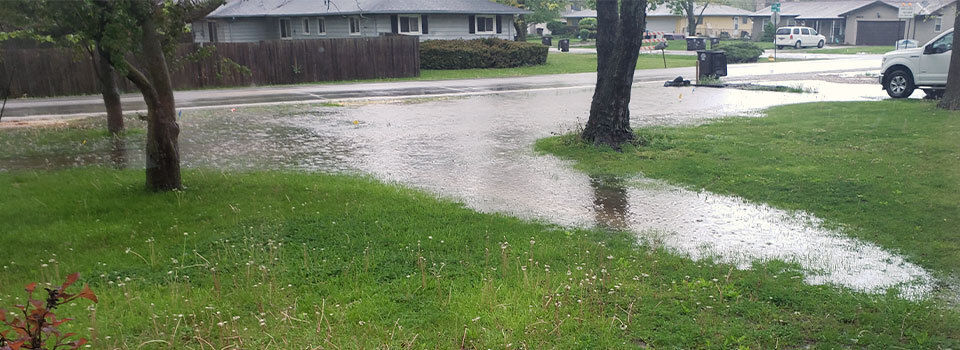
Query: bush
[740, 51]
[558, 28]
[769, 31]
[480, 53]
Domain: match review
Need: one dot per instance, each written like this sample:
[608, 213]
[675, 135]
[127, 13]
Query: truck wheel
[798, 45]
[900, 84]
[820, 44]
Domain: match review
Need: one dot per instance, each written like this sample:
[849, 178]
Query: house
[717, 20]
[863, 22]
[257, 20]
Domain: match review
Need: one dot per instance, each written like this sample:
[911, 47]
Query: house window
[321, 26]
[354, 25]
[306, 26]
[744, 18]
[485, 25]
[736, 23]
[938, 24]
[285, 29]
[410, 24]
[212, 34]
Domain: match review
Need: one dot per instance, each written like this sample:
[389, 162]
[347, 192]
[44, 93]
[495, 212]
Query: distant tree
[951, 97]
[688, 9]
[619, 37]
[119, 30]
[543, 11]
[57, 22]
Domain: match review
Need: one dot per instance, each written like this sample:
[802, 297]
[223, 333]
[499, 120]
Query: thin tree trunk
[691, 18]
[951, 97]
[110, 90]
[619, 38]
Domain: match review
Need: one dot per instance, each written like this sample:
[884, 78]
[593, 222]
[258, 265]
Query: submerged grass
[888, 171]
[298, 260]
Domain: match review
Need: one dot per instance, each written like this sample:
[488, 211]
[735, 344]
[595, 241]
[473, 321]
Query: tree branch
[143, 84]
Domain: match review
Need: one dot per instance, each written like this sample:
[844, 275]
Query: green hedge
[740, 51]
[480, 53]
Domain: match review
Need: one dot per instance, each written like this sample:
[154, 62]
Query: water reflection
[118, 152]
[610, 203]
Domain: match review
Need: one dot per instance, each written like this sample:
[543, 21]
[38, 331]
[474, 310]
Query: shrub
[480, 53]
[36, 325]
[561, 29]
[740, 51]
[769, 31]
[584, 34]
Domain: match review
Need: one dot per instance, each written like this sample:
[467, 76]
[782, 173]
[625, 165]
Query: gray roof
[819, 9]
[276, 8]
[664, 11]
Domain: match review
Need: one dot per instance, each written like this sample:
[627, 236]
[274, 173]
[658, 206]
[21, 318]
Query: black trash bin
[712, 63]
[696, 43]
[547, 40]
[564, 45]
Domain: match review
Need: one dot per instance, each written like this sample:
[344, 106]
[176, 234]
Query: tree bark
[691, 18]
[162, 148]
[619, 37]
[520, 24]
[110, 90]
[951, 97]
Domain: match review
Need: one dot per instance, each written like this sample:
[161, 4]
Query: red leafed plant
[37, 329]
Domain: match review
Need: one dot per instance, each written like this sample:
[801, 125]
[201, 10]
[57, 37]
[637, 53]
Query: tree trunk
[110, 90]
[163, 152]
[690, 10]
[951, 97]
[520, 24]
[619, 38]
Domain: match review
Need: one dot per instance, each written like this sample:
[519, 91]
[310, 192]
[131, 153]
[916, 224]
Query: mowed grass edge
[298, 260]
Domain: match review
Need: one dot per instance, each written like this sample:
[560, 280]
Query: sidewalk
[786, 54]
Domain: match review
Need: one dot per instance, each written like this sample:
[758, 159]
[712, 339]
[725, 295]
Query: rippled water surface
[478, 150]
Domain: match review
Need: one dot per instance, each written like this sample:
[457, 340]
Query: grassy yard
[304, 260]
[888, 171]
[557, 63]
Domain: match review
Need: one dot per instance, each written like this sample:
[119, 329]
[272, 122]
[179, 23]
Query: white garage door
[657, 24]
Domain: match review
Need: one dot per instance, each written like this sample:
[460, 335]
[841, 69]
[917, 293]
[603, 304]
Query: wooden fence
[58, 72]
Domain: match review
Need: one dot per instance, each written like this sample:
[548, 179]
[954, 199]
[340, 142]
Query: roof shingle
[274, 8]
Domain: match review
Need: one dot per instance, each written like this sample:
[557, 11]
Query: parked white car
[926, 67]
[798, 37]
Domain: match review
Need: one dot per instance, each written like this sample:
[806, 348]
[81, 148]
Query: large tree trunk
[110, 90]
[619, 38]
[951, 97]
[520, 24]
[690, 10]
[163, 152]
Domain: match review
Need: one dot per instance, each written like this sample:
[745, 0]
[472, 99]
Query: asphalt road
[80, 106]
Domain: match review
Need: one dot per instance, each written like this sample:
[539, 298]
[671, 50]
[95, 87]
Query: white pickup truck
[926, 67]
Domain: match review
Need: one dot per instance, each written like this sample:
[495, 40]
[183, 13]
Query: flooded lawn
[478, 150]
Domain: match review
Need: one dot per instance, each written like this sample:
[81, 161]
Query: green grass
[557, 63]
[888, 171]
[302, 260]
[393, 267]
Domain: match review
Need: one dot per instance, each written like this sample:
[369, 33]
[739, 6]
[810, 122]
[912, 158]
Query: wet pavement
[79, 106]
[479, 150]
